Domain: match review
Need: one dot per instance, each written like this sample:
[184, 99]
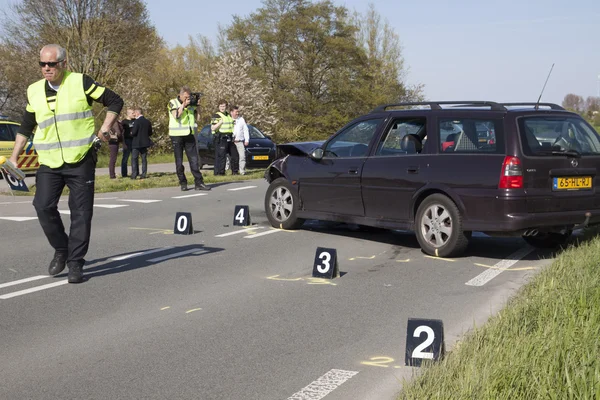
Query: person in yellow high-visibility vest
[60, 105]
[182, 131]
[222, 127]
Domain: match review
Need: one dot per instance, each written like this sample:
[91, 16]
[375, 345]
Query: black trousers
[135, 166]
[187, 143]
[126, 152]
[50, 182]
[225, 146]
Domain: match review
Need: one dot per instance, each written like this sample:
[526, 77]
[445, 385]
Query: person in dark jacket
[141, 132]
[127, 141]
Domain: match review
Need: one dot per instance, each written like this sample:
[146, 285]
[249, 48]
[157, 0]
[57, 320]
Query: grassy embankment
[544, 345]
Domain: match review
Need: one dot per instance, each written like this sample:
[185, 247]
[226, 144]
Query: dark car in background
[512, 169]
[260, 152]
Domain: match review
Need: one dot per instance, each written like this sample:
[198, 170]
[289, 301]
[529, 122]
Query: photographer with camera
[182, 130]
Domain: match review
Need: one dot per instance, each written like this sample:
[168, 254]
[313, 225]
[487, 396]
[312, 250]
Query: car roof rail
[535, 105]
[437, 105]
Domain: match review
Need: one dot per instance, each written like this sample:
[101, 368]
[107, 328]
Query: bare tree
[573, 102]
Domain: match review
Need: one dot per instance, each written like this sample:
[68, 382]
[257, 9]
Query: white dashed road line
[324, 385]
[181, 253]
[189, 195]
[141, 201]
[240, 231]
[263, 233]
[242, 188]
[500, 267]
[32, 290]
[18, 219]
[111, 205]
[141, 253]
[25, 280]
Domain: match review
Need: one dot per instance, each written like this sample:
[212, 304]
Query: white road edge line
[500, 267]
[242, 188]
[141, 253]
[189, 195]
[324, 385]
[13, 283]
[240, 231]
[32, 290]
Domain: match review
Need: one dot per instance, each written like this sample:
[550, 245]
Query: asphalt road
[229, 312]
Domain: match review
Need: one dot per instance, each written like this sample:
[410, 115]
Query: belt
[238, 141]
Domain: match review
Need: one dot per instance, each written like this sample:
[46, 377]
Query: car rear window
[547, 136]
[470, 135]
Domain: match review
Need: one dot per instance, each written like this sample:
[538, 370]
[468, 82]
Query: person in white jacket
[241, 137]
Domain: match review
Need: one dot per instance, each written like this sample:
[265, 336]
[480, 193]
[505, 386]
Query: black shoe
[184, 187]
[58, 263]
[132, 177]
[201, 186]
[75, 273]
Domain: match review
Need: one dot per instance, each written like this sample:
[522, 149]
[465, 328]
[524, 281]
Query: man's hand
[102, 135]
[246, 144]
[13, 160]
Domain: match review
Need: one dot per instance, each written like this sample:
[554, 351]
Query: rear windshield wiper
[570, 153]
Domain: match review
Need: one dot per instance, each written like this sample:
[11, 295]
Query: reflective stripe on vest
[64, 135]
[226, 127]
[186, 123]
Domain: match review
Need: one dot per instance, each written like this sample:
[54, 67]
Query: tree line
[298, 69]
[588, 108]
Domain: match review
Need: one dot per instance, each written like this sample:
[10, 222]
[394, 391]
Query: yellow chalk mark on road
[164, 308]
[505, 269]
[275, 278]
[192, 310]
[440, 258]
[362, 258]
[407, 260]
[320, 281]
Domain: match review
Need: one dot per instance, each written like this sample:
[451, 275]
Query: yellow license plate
[260, 157]
[572, 182]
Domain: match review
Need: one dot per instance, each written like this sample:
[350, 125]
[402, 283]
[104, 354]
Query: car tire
[281, 205]
[438, 226]
[550, 240]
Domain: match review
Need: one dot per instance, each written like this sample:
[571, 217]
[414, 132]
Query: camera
[194, 97]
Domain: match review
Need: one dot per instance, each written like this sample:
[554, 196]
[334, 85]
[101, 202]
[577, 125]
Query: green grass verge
[156, 180]
[544, 345]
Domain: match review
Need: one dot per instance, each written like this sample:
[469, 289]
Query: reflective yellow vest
[64, 135]
[186, 123]
[227, 126]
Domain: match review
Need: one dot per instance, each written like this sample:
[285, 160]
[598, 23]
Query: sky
[459, 50]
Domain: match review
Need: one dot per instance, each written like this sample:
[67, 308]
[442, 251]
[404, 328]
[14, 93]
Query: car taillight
[511, 176]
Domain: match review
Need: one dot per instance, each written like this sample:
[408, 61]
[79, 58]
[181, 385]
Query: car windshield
[255, 133]
[547, 136]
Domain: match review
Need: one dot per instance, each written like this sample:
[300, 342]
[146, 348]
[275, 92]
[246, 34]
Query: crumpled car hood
[299, 148]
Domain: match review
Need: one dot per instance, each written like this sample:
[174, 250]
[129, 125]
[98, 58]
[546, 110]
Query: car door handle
[353, 171]
[413, 170]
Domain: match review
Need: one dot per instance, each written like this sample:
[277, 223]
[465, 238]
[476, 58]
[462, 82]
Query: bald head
[53, 61]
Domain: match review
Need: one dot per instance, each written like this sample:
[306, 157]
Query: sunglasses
[51, 64]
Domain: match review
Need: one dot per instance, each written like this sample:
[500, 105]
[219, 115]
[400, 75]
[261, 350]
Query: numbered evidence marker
[14, 183]
[424, 341]
[183, 224]
[325, 265]
[241, 216]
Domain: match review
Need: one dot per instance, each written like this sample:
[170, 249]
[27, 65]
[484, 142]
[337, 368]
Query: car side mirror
[316, 154]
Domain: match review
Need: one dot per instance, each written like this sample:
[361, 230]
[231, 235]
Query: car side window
[353, 141]
[405, 136]
[468, 136]
[6, 134]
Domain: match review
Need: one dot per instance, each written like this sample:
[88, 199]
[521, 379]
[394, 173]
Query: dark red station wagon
[444, 170]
